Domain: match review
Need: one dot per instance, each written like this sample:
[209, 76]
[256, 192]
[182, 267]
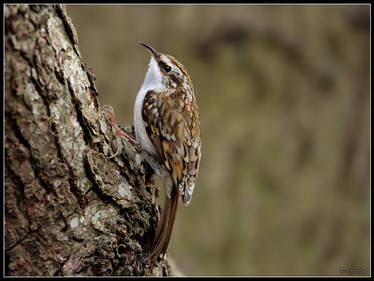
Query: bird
[167, 129]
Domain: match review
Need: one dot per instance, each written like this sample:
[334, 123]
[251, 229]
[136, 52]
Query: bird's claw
[119, 148]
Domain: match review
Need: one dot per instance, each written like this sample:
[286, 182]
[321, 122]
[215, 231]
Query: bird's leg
[119, 132]
[109, 114]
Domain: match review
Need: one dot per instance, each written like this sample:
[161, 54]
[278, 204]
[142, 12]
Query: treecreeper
[167, 129]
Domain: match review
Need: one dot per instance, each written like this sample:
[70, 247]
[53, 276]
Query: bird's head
[165, 70]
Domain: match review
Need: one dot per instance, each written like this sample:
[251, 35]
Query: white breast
[152, 81]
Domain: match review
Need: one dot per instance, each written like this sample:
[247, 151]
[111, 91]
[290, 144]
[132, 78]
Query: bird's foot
[109, 115]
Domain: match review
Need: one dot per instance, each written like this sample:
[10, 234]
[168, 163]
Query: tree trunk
[69, 209]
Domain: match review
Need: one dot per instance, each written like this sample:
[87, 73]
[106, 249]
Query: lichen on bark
[69, 209]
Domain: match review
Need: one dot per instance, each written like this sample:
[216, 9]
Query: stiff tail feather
[165, 227]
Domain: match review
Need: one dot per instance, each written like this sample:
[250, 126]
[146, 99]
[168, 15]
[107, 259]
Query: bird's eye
[167, 68]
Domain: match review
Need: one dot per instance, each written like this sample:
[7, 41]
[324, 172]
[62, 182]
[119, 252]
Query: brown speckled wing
[172, 124]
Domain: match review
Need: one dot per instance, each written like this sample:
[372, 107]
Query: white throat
[153, 77]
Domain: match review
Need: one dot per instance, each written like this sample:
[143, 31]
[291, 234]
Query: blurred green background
[283, 93]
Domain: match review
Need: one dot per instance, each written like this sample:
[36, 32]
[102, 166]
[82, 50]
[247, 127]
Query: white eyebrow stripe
[166, 60]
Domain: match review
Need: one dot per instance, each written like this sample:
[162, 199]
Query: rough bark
[69, 209]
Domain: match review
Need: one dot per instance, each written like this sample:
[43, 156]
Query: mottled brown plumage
[172, 124]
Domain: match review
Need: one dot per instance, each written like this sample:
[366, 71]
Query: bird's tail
[165, 227]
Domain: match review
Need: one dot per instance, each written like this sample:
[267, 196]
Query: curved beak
[150, 49]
